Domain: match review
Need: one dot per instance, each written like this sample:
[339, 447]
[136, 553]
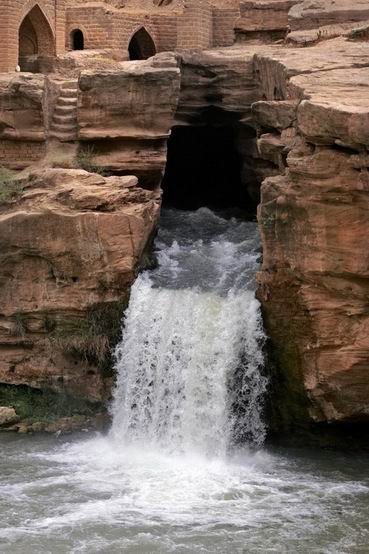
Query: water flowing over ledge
[172, 476]
[190, 363]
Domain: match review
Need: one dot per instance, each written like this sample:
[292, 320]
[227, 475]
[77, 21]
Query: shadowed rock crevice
[204, 169]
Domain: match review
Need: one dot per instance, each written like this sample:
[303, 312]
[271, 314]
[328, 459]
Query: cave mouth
[204, 169]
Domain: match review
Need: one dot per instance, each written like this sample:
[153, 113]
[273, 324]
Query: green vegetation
[36, 405]
[85, 160]
[8, 186]
[91, 340]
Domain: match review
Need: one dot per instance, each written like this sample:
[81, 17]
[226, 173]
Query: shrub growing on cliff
[35, 405]
[8, 186]
[91, 340]
[85, 160]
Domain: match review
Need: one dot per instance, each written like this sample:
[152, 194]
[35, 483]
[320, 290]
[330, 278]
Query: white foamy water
[190, 363]
[180, 472]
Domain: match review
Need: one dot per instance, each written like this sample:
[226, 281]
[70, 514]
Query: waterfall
[190, 362]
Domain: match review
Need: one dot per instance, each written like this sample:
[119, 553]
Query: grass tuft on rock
[91, 339]
[85, 160]
[9, 187]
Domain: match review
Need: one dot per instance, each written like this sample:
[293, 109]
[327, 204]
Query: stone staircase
[64, 123]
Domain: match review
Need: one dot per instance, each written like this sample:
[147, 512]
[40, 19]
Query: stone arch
[35, 37]
[77, 39]
[141, 45]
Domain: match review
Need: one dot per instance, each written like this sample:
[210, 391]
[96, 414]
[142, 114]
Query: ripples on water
[169, 478]
[92, 496]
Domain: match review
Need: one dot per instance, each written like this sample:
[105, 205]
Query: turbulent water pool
[92, 496]
[183, 468]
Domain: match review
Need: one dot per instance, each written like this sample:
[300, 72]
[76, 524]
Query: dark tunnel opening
[204, 168]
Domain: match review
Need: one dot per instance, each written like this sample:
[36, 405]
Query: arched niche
[77, 40]
[141, 45]
[35, 39]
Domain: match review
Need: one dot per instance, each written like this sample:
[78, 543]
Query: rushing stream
[190, 363]
[183, 469]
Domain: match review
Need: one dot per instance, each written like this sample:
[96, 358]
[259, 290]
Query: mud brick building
[33, 33]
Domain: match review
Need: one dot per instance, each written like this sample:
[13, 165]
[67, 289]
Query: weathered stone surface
[355, 30]
[21, 106]
[263, 18]
[132, 108]
[313, 14]
[327, 117]
[216, 82]
[136, 101]
[70, 243]
[8, 416]
[314, 223]
[277, 114]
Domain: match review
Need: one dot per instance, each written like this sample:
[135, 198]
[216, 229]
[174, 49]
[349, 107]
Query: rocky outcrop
[216, 82]
[21, 104]
[299, 118]
[70, 245]
[125, 115]
[22, 121]
[263, 19]
[314, 222]
[354, 30]
[8, 416]
[318, 13]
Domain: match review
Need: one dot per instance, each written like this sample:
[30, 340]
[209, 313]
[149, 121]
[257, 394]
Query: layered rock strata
[300, 120]
[70, 245]
[125, 116]
[314, 221]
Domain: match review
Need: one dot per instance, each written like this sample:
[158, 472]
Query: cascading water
[190, 362]
[190, 388]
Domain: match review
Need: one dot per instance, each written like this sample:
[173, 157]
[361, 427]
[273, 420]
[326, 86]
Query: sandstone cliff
[299, 119]
[314, 222]
[70, 245]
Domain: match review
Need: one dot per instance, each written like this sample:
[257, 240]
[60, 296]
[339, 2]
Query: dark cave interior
[204, 168]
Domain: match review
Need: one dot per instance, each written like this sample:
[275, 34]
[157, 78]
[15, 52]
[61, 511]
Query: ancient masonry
[33, 32]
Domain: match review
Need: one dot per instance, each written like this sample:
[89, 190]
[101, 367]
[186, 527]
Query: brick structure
[35, 31]
[30, 29]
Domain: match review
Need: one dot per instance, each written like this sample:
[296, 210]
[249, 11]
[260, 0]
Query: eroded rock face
[21, 104]
[70, 241]
[70, 244]
[314, 224]
[312, 14]
[8, 416]
[132, 109]
[266, 19]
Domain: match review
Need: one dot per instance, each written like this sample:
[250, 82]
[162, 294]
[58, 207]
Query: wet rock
[8, 416]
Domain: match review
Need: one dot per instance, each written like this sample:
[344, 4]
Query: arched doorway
[77, 40]
[141, 46]
[35, 39]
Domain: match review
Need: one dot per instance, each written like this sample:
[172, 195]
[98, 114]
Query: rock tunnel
[204, 168]
[209, 164]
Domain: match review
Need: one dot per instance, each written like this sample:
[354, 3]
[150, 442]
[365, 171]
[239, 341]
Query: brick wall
[166, 26]
[224, 21]
[49, 21]
[195, 25]
[125, 26]
[19, 154]
[95, 23]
